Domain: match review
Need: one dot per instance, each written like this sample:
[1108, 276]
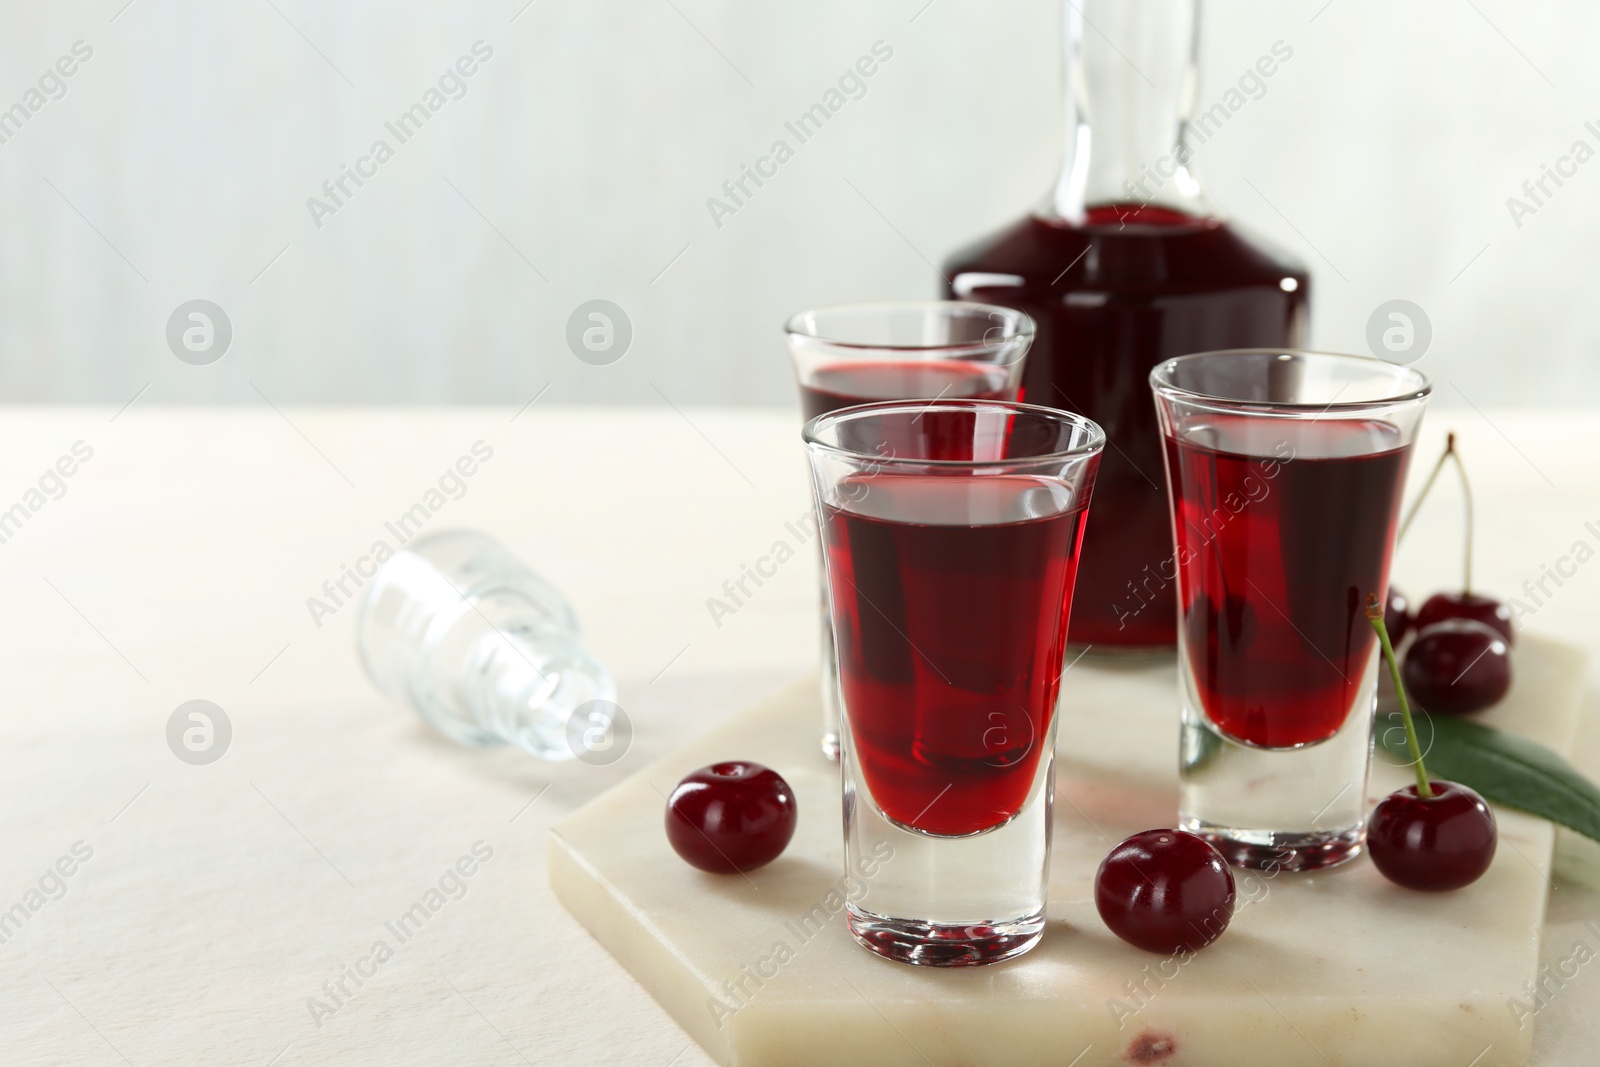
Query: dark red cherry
[1456, 667]
[1442, 842]
[730, 817]
[1487, 610]
[1397, 615]
[1165, 891]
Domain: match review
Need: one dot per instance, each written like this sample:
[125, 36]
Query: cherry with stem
[1433, 835]
[1375, 617]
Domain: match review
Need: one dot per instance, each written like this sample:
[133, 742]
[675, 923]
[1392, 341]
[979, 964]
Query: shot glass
[911, 350]
[1285, 472]
[951, 531]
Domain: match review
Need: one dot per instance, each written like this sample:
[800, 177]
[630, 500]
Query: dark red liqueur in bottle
[1126, 265]
[1111, 299]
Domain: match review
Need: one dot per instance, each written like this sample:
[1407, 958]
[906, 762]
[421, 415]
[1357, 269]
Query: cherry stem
[1433, 476]
[1375, 617]
[1466, 497]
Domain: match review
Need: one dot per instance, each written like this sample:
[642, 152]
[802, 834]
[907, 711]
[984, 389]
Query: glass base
[938, 945]
[1267, 851]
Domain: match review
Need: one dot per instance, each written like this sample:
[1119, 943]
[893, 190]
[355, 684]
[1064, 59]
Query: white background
[578, 164]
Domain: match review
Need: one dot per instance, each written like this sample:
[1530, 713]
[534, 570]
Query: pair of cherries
[1459, 661]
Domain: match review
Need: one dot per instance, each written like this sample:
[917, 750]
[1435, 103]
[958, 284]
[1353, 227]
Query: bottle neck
[1131, 77]
[518, 671]
[549, 695]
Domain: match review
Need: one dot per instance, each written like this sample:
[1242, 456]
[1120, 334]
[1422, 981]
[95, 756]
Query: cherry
[730, 817]
[1165, 891]
[1457, 667]
[1444, 841]
[1397, 615]
[1432, 835]
[1475, 607]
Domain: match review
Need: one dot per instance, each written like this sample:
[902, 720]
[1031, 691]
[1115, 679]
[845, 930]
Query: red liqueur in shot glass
[1285, 472]
[951, 531]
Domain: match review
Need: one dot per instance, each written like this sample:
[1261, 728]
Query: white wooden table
[176, 563]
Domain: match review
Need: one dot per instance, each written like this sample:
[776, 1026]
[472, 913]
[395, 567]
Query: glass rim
[1094, 441]
[1160, 383]
[1022, 323]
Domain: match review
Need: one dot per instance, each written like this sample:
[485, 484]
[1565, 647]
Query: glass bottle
[1124, 265]
[486, 651]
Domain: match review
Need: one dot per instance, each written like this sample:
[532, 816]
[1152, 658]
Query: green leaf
[1507, 769]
